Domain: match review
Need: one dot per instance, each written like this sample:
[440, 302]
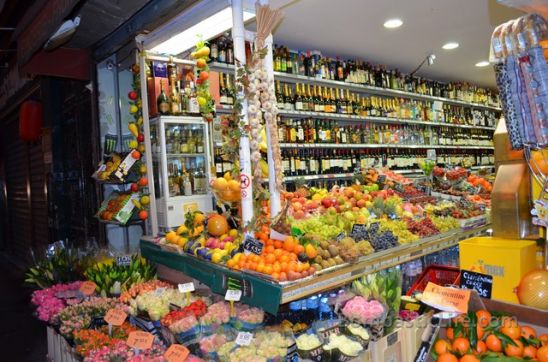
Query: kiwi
[332, 262]
[333, 250]
[338, 259]
[325, 264]
[324, 244]
[317, 266]
[326, 254]
[318, 259]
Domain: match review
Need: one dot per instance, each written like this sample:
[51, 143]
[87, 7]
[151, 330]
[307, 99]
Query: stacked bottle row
[305, 162]
[181, 141]
[178, 93]
[329, 131]
[187, 181]
[314, 64]
[222, 163]
[313, 98]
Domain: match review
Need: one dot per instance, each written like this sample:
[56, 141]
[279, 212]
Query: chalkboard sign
[399, 188]
[482, 283]
[341, 236]
[253, 245]
[123, 260]
[381, 179]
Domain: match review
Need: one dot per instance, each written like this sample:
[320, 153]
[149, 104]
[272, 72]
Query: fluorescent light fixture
[450, 45]
[393, 23]
[483, 63]
[207, 29]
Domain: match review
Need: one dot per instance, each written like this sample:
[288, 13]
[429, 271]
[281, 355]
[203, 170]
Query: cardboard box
[412, 336]
[507, 260]
[388, 349]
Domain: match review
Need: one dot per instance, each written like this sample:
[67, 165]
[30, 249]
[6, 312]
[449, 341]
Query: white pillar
[245, 156]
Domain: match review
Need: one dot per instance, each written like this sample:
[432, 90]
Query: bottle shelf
[354, 118]
[260, 291]
[295, 78]
[175, 155]
[371, 145]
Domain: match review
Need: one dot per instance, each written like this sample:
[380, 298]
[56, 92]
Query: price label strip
[176, 353]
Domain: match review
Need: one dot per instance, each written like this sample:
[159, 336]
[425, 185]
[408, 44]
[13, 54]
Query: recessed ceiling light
[393, 23]
[450, 45]
[483, 63]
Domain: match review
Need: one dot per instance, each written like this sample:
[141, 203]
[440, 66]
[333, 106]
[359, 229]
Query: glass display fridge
[180, 162]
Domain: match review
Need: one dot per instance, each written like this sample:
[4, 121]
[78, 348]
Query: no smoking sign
[245, 181]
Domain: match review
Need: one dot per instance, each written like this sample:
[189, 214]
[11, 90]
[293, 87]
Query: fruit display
[489, 336]
[118, 207]
[226, 189]
[113, 279]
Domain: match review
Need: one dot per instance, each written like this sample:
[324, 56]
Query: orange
[278, 244]
[469, 358]
[514, 351]
[493, 343]
[528, 332]
[530, 351]
[292, 256]
[289, 244]
[543, 338]
[447, 357]
[292, 266]
[510, 328]
[284, 258]
[267, 269]
[276, 276]
[481, 347]
[284, 266]
[450, 333]
[276, 268]
[261, 236]
[278, 253]
[461, 345]
[283, 276]
[260, 267]
[231, 263]
[484, 317]
[542, 354]
[269, 249]
[480, 331]
[298, 249]
[270, 258]
[442, 346]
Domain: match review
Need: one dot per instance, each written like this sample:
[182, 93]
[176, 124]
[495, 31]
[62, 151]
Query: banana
[264, 167]
[137, 203]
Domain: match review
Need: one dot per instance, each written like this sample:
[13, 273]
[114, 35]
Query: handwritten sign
[244, 338]
[115, 317]
[446, 299]
[252, 245]
[88, 288]
[233, 295]
[482, 283]
[140, 340]
[186, 287]
[341, 236]
[176, 353]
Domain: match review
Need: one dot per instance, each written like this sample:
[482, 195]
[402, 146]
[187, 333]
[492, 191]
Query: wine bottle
[162, 101]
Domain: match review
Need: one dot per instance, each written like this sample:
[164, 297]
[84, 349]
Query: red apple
[134, 187]
[361, 203]
[140, 137]
[132, 95]
[327, 202]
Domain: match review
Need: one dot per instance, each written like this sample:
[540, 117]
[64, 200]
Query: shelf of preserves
[354, 118]
[294, 78]
[371, 145]
[260, 291]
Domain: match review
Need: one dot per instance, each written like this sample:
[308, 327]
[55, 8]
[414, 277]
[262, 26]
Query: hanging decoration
[205, 101]
[31, 119]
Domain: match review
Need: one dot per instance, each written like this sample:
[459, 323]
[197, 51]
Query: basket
[438, 274]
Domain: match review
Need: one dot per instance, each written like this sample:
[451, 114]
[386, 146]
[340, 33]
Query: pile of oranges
[281, 260]
[492, 336]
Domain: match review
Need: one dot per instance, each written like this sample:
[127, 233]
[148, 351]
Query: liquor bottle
[175, 105]
[277, 60]
[229, 51]
[200, 147]
[298, 99]
[300, 133]
[214, 51]
[218, 160]
[288, 99]
[222, 50]
[187, 185]
[311, 105]
[222, 90]
[229, 90]
[162, 101]
[280, 101]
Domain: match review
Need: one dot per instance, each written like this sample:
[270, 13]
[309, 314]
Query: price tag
[381, 179]
[482, 283]
[252, 245]
[88, 288]
[244, 338]
[186, 287]
[341, 236]
[233, 295]
[176, 353]
[140, 340]
[446, 299]
[123, 260]
[115, 317]
[399, 187]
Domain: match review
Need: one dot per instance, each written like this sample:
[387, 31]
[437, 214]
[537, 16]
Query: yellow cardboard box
[507, 260]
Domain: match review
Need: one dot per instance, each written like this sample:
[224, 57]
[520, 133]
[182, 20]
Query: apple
[297, 206]
[348, 192]
[341, 200]
[134, 187]
[355, 209]
[327, 202]
[140, 137]
[298, 214]
[349, 216]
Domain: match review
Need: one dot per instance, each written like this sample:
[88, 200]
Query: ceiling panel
[354, 29]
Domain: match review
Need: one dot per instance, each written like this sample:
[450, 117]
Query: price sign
[233, 295]
[482, 283]
[186, 287]
[176, 353]
[140, 340]
[244, 338]
[252, 245]
[399, 187]
[115, 317]
[123, 260]
[341, 236]
[88, 288]
[381, 179]
[446, 299]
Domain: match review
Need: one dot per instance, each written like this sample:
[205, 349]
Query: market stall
[304, 207]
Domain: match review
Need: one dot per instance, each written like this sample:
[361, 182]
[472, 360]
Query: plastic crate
[438, 274]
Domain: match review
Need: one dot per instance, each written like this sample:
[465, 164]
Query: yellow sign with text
[190, 207]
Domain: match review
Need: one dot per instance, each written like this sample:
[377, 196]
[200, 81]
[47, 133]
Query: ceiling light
[483, 63]
[393, 23]
[450, 45]
[207, 29]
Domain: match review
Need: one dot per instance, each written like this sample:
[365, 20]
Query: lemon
[202, 101]
[182, 229]
[143, 169]
[145, 200]
[133, 144]
[133, 109]
[228, 176]
[234, 185]
[233, 233]
[220, 184]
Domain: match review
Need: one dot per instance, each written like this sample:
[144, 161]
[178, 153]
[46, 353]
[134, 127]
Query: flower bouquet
[247, 318]
[186, 329]
[50, 301]
[120, 351]
[217, 314]
[371, 314]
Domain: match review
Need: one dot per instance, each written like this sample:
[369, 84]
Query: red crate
[438, 274]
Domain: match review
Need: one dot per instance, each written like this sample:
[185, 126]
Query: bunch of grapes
[423, 228]
[399, 229]
[384, 240]
[445, 223]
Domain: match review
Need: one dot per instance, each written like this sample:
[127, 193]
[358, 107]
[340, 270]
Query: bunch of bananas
[112, 278]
